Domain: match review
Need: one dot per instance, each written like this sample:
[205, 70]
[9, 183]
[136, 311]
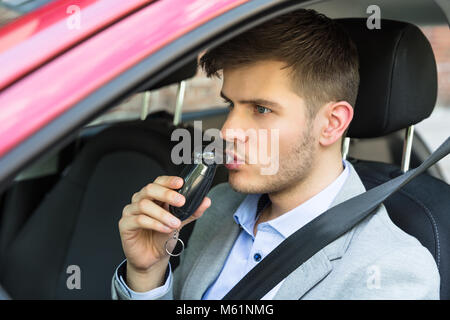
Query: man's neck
[321, 176]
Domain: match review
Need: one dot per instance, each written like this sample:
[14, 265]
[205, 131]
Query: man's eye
[261, 109]
[228, 103]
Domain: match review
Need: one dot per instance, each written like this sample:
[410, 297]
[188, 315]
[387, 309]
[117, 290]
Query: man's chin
[240, 182]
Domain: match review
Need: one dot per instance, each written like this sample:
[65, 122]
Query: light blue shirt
[248, 249]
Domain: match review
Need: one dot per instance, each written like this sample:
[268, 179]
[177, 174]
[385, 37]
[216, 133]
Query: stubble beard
[295, 166]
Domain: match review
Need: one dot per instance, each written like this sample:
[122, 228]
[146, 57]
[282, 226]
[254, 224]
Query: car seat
[398, 89]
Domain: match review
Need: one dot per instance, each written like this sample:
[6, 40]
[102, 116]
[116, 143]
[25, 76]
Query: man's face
[262, 98]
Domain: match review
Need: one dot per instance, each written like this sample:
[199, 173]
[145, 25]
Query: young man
[296, 75]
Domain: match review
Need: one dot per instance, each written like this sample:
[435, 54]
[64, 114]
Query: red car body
[47, 67]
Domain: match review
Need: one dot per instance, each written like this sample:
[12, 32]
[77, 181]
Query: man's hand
[146, 225]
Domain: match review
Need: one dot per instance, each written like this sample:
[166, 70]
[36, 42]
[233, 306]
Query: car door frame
[63, 129]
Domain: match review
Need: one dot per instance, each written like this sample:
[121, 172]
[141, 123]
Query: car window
[431, 132]
[428, 16]
[435, 129]
[13, 9]
[201, 93]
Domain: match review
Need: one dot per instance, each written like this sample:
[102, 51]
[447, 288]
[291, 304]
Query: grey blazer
[374, 260]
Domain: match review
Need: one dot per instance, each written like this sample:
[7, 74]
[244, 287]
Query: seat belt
[314, 236]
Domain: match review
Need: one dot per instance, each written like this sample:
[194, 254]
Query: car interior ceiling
[418, 12]
[70, 217]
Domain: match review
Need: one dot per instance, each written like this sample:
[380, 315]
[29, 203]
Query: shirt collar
[246, 213]
[291, 221]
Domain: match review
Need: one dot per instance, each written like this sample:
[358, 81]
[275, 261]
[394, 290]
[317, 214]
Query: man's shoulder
[384, 262]
[379, 236]
[377, 240]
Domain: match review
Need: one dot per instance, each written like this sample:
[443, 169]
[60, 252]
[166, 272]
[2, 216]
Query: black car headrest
[398, 86]
[186, 71]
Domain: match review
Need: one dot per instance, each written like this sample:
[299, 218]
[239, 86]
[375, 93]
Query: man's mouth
[232, 161]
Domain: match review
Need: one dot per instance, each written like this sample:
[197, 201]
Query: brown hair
[322, 57]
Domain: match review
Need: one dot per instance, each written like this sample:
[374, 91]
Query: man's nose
[234, 127]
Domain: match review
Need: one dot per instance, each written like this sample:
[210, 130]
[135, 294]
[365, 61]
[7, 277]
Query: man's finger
[155, 191]
[206, 203]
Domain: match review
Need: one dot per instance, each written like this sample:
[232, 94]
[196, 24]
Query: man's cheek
[270, 155]
[251, 152]
[259, 144]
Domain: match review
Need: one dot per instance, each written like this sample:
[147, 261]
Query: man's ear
[336, 117]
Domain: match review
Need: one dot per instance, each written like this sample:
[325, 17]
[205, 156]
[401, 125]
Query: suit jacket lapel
[210, 262]
[319, 266]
